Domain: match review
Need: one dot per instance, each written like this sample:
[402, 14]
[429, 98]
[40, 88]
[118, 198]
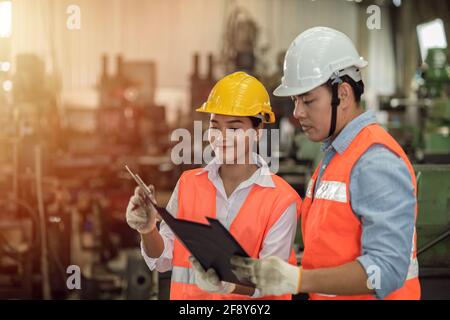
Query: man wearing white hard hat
[359, 213]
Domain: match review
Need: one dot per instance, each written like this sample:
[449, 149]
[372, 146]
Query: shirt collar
[261, 177]
[350, 131]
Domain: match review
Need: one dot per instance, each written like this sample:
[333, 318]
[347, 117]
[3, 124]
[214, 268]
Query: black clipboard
[212, 245]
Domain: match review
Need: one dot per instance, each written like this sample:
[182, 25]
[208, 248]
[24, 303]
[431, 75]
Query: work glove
[209, 280]
[141, 214]
[271, 275]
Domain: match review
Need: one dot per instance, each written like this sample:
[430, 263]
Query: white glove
[209, 280]
[271, 275]
[141, 214]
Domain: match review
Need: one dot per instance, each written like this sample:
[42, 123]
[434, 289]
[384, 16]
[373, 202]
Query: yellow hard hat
[239, 94]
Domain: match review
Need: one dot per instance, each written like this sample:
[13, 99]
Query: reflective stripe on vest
[183, 275]
[332, 190]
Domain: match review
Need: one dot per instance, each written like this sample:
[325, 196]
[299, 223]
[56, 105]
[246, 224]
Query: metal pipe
[434, 242]
[42, 221]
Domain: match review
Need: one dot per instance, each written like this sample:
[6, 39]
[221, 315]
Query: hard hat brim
[272, 118]
[286, 91]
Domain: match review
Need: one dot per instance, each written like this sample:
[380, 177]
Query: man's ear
[345, 93]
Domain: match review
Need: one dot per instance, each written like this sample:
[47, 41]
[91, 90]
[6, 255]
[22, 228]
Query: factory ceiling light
[431, 35]
[5, 19]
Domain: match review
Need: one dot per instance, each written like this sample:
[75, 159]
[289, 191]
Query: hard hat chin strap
[335, 101]
[350, 75]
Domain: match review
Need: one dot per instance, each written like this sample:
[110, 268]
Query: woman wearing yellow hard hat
[258, 208]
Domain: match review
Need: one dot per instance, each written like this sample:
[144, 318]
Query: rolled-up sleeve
[382, 197]
[164, 262]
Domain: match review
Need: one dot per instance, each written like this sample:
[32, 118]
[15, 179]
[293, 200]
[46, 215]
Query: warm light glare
[5, 66]
[5, 19]
[7, 85]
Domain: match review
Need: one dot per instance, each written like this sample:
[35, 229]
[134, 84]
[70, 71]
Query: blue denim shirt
[382, 197]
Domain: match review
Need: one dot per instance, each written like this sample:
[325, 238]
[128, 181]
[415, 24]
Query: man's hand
[141, 215]
[209, 280]
[272, 275]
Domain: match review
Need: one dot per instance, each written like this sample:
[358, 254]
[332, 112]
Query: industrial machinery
[18, 245]
[239, 43]
[64, 192]
[128, 127]
[436, 87]
[29, 129]
[433, 229]
[422, 127]
[201, 85]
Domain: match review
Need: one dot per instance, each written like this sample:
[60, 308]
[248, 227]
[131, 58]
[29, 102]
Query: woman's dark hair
[255, 121]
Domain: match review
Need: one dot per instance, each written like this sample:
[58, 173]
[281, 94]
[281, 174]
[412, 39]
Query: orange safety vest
[260, 211]
[331, 231]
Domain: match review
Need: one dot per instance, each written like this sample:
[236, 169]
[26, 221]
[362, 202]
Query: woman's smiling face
[231, 138]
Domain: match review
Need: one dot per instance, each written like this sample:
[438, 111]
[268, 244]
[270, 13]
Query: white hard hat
[315, 56]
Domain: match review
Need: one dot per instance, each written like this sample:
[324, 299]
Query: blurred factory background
[79, 98]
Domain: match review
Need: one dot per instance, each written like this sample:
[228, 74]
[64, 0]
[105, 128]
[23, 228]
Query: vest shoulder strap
[286, 190]
[375, 134]
[372, 135]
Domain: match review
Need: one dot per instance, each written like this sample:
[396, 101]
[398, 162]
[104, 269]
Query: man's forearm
[348, 279]
[153, 243]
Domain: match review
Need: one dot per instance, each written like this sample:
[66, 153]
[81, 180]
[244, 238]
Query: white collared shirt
[279, 239]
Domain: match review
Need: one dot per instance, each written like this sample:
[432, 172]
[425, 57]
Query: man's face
[313, 111]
